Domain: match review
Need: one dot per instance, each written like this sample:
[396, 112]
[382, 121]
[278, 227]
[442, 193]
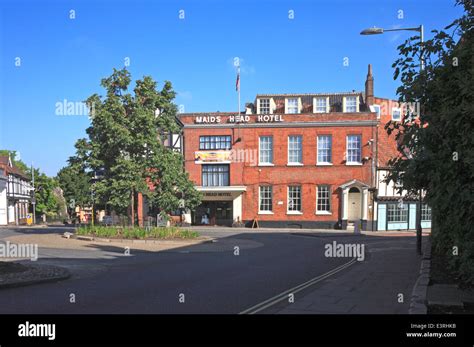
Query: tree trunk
[133, 208]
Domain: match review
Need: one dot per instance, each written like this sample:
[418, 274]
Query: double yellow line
[284, 295]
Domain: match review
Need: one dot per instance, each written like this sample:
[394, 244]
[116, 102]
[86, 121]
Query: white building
[15, 193]
[395, 211]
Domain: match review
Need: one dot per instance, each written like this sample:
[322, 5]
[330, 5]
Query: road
[199, 279]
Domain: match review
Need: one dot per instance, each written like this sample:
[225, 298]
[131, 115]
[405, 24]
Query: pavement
[239, 272]
[449, 295]
[34, 274]
[380, 285]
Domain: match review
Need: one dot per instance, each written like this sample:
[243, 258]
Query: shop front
[220, 206]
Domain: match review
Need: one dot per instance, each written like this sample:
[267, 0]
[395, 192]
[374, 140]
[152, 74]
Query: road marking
[277, 298]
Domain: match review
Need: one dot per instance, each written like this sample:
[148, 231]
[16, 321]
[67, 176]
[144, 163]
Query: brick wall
[387, 145]
[281, 175]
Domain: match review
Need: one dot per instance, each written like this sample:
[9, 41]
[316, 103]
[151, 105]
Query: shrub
[137, 232]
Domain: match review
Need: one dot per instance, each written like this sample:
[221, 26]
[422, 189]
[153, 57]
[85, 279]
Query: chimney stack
[369, 88]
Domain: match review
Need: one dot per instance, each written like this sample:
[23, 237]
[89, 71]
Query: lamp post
[33, 199]
[92, 201]
[93, 180]
[378, 31]
[420, 29]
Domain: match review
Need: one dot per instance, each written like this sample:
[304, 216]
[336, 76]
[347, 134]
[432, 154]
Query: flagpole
[238, 107]
[238, 73]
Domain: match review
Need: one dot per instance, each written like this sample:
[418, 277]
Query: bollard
[357, 227]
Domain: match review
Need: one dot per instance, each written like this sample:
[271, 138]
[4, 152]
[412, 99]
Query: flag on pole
[237, 83]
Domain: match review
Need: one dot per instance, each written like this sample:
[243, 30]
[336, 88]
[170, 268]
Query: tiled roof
[11, 169]
[308, 94]
[335, 101]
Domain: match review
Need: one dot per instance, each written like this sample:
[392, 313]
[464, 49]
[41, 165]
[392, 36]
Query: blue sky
[63, 58]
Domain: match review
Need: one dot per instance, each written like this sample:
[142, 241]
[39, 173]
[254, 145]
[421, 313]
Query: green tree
[436, 145]
[173, 187]
[75, 183]
[46, 201]
[125, 145]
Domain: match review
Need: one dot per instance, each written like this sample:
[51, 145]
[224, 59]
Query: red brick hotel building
[291, 160]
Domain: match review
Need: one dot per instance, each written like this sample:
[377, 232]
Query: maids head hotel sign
[261, 118]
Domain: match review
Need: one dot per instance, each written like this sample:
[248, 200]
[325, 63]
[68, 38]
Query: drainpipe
[375, 175]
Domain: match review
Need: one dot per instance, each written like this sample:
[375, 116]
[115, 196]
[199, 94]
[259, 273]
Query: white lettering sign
[261, 118]
[269, 118]
[239, 119]
[208, 119]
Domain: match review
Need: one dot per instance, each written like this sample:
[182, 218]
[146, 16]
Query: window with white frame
[323, 201]
[324, 149]
[321, 105]
[351, 104]
[425, 213]
[265, 199]
[292, 105]
[354, 151]
[396, 114]
[264, 105]
[215, 175]
[215, 142]
[377, 110]
[395, 213]
[265, 150]
[295, 149]
[294, 199]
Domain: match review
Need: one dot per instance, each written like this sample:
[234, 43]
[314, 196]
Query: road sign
[29, 219]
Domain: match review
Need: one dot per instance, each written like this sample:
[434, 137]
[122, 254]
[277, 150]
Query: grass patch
[136, 232]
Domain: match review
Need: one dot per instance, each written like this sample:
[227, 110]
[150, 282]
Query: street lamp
[420, 29]
[378, 31]
[375, 30]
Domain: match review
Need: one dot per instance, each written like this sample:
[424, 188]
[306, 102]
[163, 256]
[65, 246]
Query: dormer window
[396, 114]
[292, 105]
[377, 110]
[351, 104]
[321, 105]
[264, 106]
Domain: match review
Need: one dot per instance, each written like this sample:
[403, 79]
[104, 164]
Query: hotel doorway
[355, 197]
[214, 213]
